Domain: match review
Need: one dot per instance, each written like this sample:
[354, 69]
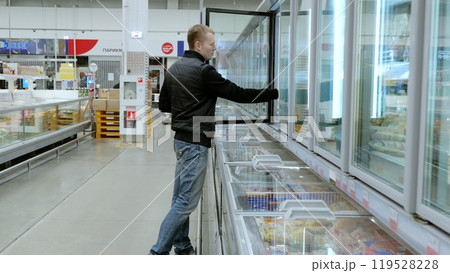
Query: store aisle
[104, 197]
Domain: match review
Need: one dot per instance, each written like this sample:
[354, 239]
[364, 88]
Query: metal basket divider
[328, 197]
[258, 200]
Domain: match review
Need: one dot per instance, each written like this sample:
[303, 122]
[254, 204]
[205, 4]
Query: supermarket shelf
[424, 237]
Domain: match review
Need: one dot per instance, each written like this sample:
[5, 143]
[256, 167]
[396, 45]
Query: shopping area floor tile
[104, 197]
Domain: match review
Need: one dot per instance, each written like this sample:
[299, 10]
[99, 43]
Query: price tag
[433, 245]
[393, 220]
[344, 186]
[365, 199]
[351, 189]
[338, 182]
[331, 175]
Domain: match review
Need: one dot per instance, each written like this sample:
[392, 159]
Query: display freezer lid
[249, 141]
[272, 163]
[244, 172]
[267, 163]
[309, 213]
[342, 236]
[308, 204]
[274, 196]
[247, 153]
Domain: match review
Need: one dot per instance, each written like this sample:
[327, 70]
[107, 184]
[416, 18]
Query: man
[190, 91]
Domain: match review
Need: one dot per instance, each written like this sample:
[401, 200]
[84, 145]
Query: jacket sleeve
[218, 86]
[164, 99]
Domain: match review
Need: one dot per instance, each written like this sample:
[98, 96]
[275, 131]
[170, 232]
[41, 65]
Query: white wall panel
[96, 23]
[172, 20]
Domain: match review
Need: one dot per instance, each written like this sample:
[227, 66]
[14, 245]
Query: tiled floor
[104, 197]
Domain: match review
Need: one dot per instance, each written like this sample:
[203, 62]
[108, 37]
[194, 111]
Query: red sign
[140, 80]
[393, 224]
[365, 203]
[82, 46]
[431, 251]
[131, 115]
[167, 48]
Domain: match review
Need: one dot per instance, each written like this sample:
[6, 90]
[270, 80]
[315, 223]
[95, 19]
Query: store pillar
[134, 76]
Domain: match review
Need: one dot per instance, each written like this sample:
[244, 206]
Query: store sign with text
[87, 47]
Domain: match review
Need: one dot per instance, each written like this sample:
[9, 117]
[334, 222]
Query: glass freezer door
[434, 193]
[244, 42]
[381, 94]
[282, 57]
[330, 76]
[301, 69]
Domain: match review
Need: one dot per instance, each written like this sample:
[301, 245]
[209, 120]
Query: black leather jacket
[190, 91]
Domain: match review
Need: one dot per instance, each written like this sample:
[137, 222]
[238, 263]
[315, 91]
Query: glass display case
[274, 204]
[26, 120]
[310, 234]
[381, 94]
[21, 122]
[434, 191]
[282, 66]
[330, 75]
[242, 56]
[390, 161]
[301, 67]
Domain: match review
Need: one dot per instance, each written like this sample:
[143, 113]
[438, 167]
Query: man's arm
[218, 86]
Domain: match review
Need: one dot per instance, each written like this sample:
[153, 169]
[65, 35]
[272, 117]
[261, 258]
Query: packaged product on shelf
[114, 94]
[342, 236]
[37, 71]
[287, 236]
[5, 136]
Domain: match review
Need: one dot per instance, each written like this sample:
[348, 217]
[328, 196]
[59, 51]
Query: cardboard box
[103, 93]
[114, 94]
[99, 104]
[113, 105]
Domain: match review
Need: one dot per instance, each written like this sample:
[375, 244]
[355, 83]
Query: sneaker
[187, 251]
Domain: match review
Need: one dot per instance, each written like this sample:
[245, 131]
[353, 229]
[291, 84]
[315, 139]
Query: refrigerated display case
[35, 122]
[274, 204]
[301, 63]
[282, 70]
[243, 55]
[308, 234]
[373, 153]
[434, 187]
[381, 97]
[330, 79]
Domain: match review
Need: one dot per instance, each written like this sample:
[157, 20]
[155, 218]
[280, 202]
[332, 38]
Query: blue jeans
[188, 184]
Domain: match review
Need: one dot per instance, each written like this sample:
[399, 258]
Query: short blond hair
[197, 33]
